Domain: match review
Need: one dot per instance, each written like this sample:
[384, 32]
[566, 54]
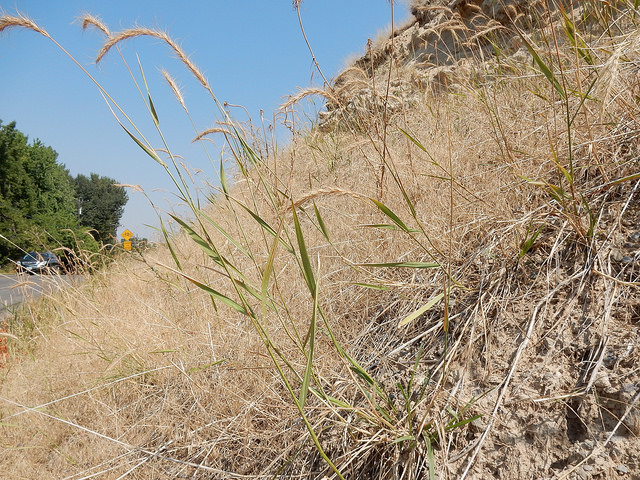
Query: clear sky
[251, 51]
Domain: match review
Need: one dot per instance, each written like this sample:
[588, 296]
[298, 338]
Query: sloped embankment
[441, 278]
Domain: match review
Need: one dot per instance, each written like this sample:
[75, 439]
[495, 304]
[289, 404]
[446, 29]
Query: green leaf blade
[307, 271]
[426, 307]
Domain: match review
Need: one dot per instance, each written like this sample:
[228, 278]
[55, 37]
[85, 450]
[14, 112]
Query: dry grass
[140, 373]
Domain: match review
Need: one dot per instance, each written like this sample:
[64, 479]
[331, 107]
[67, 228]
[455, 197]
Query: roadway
[15, 289]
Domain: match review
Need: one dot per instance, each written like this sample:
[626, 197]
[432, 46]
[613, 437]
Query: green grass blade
[224, 233]
[364, 375]
[307, 271]
[219, 296]
[387, 211]
[146, 149]
[238, 160]
[414, 140]
[530, 239]
[583, 98]
[266, 226]
[223, 180]
[635, 176]
[544, 68]
[332, 400]
[206, 365]
[167, 240]
[323, 227]
[248, 288]
[576, 40]
[305, 419]
[432, 463]
[218, 259]
[311, 338]
[456, 424]
[152, 109]
[565, 173]
[386, 226]
[404, 439]
[268, 269]
[154, 114]
[427, 306]
[201, 242]
[531, 181]
[249, 152]
[213, 292]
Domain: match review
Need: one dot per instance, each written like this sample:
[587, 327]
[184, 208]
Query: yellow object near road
[127, 245]
[126, 234]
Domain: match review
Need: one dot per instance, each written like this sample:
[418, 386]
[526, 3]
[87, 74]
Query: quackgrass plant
[354, 280]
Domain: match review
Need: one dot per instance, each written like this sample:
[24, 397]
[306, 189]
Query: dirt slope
[456, 295]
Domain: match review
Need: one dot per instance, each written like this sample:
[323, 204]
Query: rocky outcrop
[442, 37]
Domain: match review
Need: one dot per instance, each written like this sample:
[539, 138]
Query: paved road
[14, 289]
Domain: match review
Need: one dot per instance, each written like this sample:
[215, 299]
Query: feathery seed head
[303, 93]
[176, 89]
[140, 32]
[20, 21]
[137, 188]
[210, 131]
[93, 21]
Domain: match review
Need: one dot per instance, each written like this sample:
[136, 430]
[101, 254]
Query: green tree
[17, 197]
[37, 199]
[15, 185]
[54, 189]
[100, 205]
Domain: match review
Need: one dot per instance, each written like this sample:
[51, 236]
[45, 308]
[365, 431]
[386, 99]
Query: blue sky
[251, 51]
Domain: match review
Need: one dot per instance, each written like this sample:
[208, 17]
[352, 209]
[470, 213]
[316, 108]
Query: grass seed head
[211, 131]
[175, 88]
[20, 21]
[306, 93]
[89, 20]
[141, 32]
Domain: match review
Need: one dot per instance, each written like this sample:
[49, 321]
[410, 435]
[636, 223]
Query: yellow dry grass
[139, 373]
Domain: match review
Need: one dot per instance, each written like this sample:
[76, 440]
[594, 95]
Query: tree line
[43, 207]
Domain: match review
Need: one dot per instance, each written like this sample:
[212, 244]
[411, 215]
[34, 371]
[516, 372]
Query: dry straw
[195, 387]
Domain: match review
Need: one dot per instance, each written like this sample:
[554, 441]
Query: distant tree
[37, 199]
[15, 185]
[17, 193]
[100, 205]
[54, 186]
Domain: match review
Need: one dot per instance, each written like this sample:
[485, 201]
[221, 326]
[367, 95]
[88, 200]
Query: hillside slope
[440, 278]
